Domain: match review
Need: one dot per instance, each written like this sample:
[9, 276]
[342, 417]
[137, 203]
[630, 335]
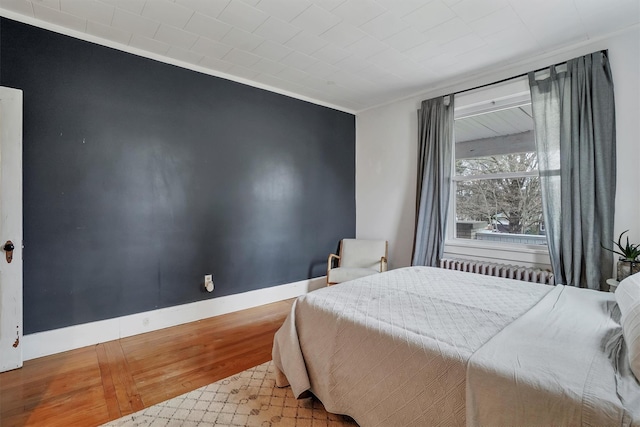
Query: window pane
[503, 207]
[518, 162]
[505, 210]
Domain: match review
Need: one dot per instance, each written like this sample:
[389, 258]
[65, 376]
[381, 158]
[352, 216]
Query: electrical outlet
[208, 282]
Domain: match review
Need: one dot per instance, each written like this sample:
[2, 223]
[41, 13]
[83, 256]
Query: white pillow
[628, 297]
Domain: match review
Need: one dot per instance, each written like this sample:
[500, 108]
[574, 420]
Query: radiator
[516, 272]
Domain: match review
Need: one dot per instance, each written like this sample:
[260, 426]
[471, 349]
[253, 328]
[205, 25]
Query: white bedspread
[392, 349]
[556, 365]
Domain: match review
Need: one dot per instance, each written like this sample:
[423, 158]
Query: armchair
[357, 258]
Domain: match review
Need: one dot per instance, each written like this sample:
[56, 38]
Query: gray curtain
[435, 147]
[574, 119]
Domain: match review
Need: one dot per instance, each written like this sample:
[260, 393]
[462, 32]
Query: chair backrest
[362, 253]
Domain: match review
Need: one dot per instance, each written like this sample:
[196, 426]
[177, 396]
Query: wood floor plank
[95, 384]
[125, 387]
[25, 389]
[186, 354]
[109, 389]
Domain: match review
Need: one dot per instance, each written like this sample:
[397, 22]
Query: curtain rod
[604, 51]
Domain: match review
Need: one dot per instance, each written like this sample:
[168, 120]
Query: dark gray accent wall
[141, 177]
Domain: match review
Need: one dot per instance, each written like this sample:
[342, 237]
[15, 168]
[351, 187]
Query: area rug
[249, 398]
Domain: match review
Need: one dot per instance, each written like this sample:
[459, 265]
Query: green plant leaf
[629, 252]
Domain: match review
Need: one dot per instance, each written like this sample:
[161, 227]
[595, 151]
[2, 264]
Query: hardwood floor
[96, 384]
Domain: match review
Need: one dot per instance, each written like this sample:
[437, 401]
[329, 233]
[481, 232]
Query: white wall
[386, 146]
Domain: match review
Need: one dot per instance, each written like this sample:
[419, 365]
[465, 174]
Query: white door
[10, 228]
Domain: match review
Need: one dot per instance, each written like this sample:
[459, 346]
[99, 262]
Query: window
[496, 184]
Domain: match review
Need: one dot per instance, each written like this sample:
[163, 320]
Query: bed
[425, 346]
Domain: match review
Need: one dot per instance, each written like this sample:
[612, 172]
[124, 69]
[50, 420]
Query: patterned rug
[249, 398]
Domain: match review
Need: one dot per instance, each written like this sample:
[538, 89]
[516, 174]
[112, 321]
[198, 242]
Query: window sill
[526, 255]
[511, 247]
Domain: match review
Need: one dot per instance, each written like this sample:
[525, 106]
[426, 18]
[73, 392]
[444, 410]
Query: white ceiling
[351, 54]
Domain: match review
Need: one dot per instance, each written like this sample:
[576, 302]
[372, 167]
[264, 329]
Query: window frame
[499, 251]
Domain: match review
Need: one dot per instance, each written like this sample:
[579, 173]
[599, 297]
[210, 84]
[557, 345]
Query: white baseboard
[72, 337]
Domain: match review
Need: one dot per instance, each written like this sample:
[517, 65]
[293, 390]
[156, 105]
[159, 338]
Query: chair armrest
[330, 261]
[383, 264]
[329, 264]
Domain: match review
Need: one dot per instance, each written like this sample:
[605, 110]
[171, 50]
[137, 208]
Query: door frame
[11, 228]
